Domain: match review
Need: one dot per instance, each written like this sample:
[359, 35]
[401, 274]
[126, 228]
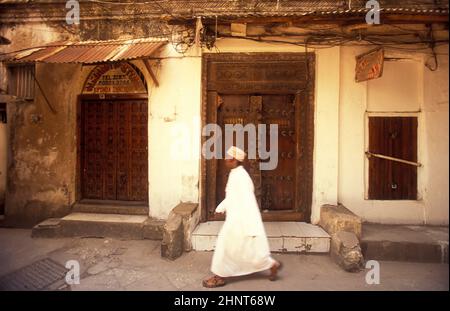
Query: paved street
[108, 264]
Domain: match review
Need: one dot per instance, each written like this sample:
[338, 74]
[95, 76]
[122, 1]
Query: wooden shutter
[394, 137]
[21, 81]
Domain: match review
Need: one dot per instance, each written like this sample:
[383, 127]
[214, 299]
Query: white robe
[242, 246]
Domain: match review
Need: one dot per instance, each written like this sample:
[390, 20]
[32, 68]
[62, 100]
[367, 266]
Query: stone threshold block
[345, 229]
[346, 251]
[284, 237]
[178, 229]
[335, 218]
[126, 227]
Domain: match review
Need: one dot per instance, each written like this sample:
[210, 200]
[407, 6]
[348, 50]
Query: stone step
[405, 243]
[111, 207]
[127, 227]
[291, 237]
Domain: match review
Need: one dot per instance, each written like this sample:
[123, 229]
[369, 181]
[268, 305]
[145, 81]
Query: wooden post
[150, 71]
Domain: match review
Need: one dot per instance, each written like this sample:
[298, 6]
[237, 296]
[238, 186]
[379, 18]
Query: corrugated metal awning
[88, 52]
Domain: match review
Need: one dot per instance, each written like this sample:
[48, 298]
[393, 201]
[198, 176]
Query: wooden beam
[150, 71]
[386, 18]
[413, 18]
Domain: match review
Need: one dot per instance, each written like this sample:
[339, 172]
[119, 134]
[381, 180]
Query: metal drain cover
[37, 276]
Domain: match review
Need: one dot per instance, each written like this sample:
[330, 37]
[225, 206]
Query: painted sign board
[114, 78]
[369, 65]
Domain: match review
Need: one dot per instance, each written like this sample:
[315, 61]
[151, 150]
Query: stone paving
[110, 264]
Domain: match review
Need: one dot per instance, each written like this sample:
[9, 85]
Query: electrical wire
[319, 37]
[156, 3]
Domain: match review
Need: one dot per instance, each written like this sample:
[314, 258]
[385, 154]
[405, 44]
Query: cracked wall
[42, 166]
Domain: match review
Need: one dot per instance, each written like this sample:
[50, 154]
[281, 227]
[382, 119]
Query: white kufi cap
[236, 153]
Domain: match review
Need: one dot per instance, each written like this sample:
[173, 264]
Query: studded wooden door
[233, 110]
[278, 185]
[263, 88]
[114, 150]
[279, 190]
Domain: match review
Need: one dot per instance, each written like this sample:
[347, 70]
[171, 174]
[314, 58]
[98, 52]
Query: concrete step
[292, 237]
[405, 243]
[127, 227]
[111, 207]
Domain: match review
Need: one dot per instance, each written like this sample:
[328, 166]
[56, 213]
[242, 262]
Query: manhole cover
[37, 276]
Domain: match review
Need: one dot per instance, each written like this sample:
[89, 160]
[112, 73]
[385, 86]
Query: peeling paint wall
[39, 183]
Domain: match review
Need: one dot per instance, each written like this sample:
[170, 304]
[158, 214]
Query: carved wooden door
[233, 110]
[114, 150]
[263, 88]
[278, 189]
[278, 185]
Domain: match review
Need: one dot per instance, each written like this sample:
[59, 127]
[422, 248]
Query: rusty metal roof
[88, 52]
[169, 9]
[413, 11]
[276, 7]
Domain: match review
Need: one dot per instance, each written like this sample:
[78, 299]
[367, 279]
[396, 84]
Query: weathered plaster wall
[407, 88]
[326, 131]
[174, 133]
[3, 161]
[24, 36]
[436, 129]
[41, 179]
[39, 184]
[42, 168]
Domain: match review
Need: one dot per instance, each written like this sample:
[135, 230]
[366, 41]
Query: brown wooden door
[238, 109]
[281, 87]
[278, 190]
[279, 185]
[395, 137]
[114, 152]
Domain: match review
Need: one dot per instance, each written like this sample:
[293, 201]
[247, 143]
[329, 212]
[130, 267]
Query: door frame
[302, 87]
[87, 97]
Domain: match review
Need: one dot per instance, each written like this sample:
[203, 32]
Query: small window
[21, 81]
[3, 113]
[394, 137]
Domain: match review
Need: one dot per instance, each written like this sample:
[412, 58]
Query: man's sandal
[215, 281]
[274, 271]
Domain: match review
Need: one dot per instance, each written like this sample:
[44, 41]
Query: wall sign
[114, 78]
[369, 65]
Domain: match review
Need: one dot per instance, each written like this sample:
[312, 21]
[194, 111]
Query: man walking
[242, 247]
